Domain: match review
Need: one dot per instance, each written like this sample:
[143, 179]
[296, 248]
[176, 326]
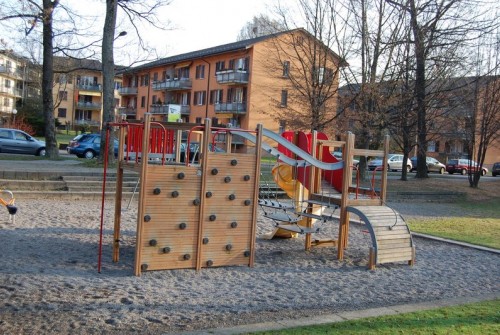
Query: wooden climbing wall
[198, 216]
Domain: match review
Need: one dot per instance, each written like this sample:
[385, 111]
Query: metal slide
[306, 158]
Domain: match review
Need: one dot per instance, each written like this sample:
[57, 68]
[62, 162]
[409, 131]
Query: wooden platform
[391, 237]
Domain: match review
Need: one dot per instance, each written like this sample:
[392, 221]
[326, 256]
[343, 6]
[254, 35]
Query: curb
[345, 316]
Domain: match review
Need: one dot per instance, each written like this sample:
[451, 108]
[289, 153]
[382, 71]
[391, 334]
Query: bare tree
[259, 26]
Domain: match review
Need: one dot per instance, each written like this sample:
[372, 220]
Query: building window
[286, 69]
[63, 95]
[216, 96]
[185, 98]
[284, 98]
[322, 75]
[240, 64]
[155, 76]
[6, 102]
[143, 102]
[61, 112]
[200, 72]
[155, 99]
[198, 120]
[431, 146]
[199, 98]
[7, 83]
[183, 73]
[220, 66]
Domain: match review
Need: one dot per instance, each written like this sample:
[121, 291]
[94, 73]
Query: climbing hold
[181, 175]
[227, 179]
[246, 177]
[246, 253]
[166, 250]
[247, 202]
[234, 162]
[229, 247]
[175, 194]
[147, 218]
[196, 202]
[157, 191]
[208, 194]
[210, 263]
[144, 267]
[187, 257]
[182, 226]
[234, 224]
[215, 171]
[205, 240]
[153, 243]
[232, 197]
[212, 217]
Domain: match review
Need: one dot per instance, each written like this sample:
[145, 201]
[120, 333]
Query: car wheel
[463, 172]
[408, 168]
[483, 172]
[41, 152]
[450, 172]
[89, 154]
[441, 171]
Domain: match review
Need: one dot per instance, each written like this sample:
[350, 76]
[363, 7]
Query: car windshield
[453, 161]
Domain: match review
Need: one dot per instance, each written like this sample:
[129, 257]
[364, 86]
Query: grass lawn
[478, 318]
[481, 226]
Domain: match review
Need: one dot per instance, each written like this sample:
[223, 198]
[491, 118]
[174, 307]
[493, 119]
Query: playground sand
[49, 281]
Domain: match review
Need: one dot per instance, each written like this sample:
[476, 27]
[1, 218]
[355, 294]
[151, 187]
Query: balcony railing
[231, 107]
[17, 92]
[232, 77]
[89, 105]
[127, 110]
[127, 90]
[89, 122]
[163, 109]
[173, 84]
[95, 88]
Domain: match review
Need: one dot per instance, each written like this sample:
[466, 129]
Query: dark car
[16, 141]
[433, 165]
[463, 166]
[88, 146]
[194, 151]
[495, 171]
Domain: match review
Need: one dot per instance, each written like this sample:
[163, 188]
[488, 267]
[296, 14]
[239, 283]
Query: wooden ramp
[391, 237]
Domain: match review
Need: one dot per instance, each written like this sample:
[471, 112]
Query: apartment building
[78, 93]
[19, 80]
[239, 84]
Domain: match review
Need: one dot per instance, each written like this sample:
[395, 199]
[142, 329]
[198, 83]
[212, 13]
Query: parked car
[462, 166]
[16, 141]
[433, 165]
[194, 151]
[88, 146]
[338, 155]
[495, 171]
[394, 163]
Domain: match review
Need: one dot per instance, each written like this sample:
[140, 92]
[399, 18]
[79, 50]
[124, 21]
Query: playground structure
[9, 204]
[196, 214]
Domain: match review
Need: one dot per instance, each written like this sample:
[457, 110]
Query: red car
[462, 166]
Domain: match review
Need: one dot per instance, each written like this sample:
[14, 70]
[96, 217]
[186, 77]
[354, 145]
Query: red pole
[99, 259]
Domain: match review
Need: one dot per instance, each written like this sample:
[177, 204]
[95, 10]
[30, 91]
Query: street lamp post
[14, 112]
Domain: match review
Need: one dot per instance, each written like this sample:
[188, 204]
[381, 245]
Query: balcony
[163, 109]
[13, 91]
[231, 107]
[129, 111]
[173, 84]
[127, 91]
[89, 105]
[87, 122]
[16, 73]
[91, 88]
[232, 77]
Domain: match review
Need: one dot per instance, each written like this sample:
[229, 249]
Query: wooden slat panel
[396, 227]
[390, 259]
[392, 237]
[403, 242]
[395, 251]
[392, 233]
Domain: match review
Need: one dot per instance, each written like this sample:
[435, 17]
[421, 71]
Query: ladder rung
[275, 204]
[313, 216]
[285, 217]
[321, 203]
[298, 229]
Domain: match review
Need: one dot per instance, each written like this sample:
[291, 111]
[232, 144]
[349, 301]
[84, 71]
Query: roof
[220, 49]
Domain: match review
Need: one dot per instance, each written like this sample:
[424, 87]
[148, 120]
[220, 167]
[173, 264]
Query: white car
[394, 163]
[338, 155]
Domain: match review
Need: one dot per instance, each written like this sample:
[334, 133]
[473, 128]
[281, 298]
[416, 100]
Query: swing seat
[12, 209]
[298, 229]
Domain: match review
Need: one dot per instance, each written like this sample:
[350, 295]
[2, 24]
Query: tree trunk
[52, 151]
[108, 71]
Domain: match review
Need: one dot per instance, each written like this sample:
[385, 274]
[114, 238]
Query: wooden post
[141, 205]
[346, 182]
[204, 171]
[383, 182]
[118, 196]
[258, 154]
